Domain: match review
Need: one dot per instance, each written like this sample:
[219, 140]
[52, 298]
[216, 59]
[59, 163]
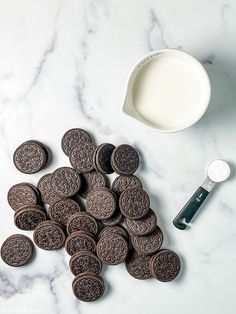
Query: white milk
[170, 92]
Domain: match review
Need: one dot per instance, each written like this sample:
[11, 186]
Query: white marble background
[65, 64]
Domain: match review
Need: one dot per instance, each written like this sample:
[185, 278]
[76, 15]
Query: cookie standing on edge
[81, 157]
[134, 203]
[85, 261]
[165, 265]
[63, 209]
[22, 194]
[102, 158]
[30, 157]
[48, 195]
[49, 235]
[29, 216]
[65, 181]
[88, 287]
[112, 249]
[72, 138]
[17, 250]
[124, 159]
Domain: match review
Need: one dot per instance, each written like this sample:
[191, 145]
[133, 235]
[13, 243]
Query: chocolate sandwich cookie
[90, 181]
[138, 265]
[72, 138]
[142, 226]
[101, 203]
[88, 287]
[17, 250]
[113, 230]
[48, 195]
[124, 159]
[134, 203]
[81, 157]
[22, 194]
[29, 216]
[63, 209]
[49, 235]
[112, 249]
[30, 157]
[122, 183]
[82, 222]
[80, 241]
[85, 261]
[148, 244]
[65, 181]
[115, 219]
[102, 158]
[165, 265]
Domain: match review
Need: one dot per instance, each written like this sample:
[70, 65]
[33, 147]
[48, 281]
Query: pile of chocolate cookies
[114, 225]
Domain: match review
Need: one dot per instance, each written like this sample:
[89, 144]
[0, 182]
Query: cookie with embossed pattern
[134, 203]
[102, 158]
[148, 244]
[81, 157]
[80, 241]
[165, 265]
[85, 261]
[49, 235]
[82, 222]
[90, 181]
[122, 183]
[112, 249]
[142, 226]
[21, 194]
[48, 195]
[113, 230]
[30, 157]
[124, 159]
[101, 203]
[65, 181]
[63, 209]
[88, 287]
[138, 265]
[72, 138]
[114, 220]
[17, 250]
[29, 216]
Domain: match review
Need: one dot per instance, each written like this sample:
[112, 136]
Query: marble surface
[65, 64]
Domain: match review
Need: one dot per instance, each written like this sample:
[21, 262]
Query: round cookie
[134, 203]
[122, 183]
[65, 181]
[102, 158]
[81, 157]
[115, 219]
[101, 203]
[90, 181]
[124, 159]
[80, 241]
[63, 209]
[85, 261]
[29, 216]
[165, 265]
[21, 194]
[148, 244]
[138, 265]
[48, 195]
[88, 287]
[30, 157]
[113, 230]
[49, 235]
[142, 226]
[82, 222]
[112, 249]
[72, 138]
[17, 250]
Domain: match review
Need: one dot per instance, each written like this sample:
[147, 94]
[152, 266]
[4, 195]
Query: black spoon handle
[190, 208]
